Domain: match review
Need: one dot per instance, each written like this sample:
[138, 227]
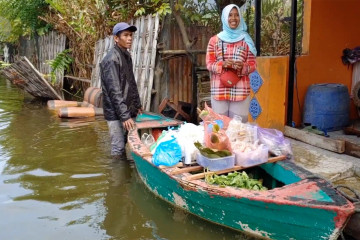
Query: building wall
[330, 26]
[272, 94]
[180, 67]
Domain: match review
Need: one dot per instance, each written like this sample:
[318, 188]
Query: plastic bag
[215, 138]
[236, 130]
[189, 134]
[275, 140]
[252, 133]
[167, 153]
[208, 115]
[147, 139]
[253, 157]
[165, 136]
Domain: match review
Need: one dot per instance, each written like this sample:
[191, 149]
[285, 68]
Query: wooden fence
[49, 46]
[30, 76]
[143, 52]
[24, 75]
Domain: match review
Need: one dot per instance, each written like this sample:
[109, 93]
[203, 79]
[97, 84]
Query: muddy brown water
[57, 181]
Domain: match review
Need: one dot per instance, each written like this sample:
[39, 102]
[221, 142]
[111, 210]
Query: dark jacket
[120, 94]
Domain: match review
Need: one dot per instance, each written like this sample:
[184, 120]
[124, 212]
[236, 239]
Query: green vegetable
[214, 138]
[235, 179]
[212, 153]
[216, 128]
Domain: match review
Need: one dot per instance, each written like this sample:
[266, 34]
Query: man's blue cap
[123, 26]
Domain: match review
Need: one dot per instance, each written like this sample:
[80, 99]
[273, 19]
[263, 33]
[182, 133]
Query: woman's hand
[129, 124]
[228, 63]
[237, 65]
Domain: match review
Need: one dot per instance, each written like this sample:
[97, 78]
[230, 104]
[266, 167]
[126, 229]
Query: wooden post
[333, 145]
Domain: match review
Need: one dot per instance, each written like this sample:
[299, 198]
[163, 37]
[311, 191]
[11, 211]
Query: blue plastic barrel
[327, 106]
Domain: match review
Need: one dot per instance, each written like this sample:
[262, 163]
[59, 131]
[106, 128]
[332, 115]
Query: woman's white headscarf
[234, 35]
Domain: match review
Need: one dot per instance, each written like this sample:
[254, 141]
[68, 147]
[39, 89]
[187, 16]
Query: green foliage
[121, 10]
[275, 27]
[235, 179]
[4, 64]
[211, 153]
[43, 30]
[199, 12]
[83, 22]
[23, 16]
[193, 12]
[61, 62]
[152, 7]
[56, 5]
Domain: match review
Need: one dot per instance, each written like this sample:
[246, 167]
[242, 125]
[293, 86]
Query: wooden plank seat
[180, 168]
[187, 170]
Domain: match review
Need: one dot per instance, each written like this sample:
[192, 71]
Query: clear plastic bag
[236, 130]
[275, 140]
[209, 115]
[215, 138]
[147, 139]
[252, 133]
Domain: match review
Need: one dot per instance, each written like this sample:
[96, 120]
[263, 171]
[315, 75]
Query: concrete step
[332, 166]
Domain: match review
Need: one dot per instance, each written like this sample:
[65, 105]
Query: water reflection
[133, 212]
[52, 178]
[56, 150]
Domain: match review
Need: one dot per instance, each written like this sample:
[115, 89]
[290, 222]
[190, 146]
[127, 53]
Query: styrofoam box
[248, 159]
[215, 164]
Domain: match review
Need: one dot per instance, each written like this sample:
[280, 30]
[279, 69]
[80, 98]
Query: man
[121, 102]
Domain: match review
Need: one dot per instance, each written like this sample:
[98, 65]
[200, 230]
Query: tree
[23, 17]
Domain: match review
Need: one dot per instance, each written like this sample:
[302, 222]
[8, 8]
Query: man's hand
[140, 110]
[129, 124]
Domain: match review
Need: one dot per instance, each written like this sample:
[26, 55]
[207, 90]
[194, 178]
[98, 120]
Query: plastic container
[215, 164]
[252, 158]
[327, 106]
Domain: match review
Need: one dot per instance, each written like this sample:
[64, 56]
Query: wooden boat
[298, 205]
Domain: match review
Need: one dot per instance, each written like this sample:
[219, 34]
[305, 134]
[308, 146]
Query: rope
[342, 235]
[74, 95]
[357, 195]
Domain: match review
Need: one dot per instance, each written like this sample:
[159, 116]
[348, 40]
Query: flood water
[57, 181]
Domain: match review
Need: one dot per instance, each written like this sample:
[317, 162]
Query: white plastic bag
[189, 134]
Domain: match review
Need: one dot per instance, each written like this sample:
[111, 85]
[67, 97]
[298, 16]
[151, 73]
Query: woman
[239, 55]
